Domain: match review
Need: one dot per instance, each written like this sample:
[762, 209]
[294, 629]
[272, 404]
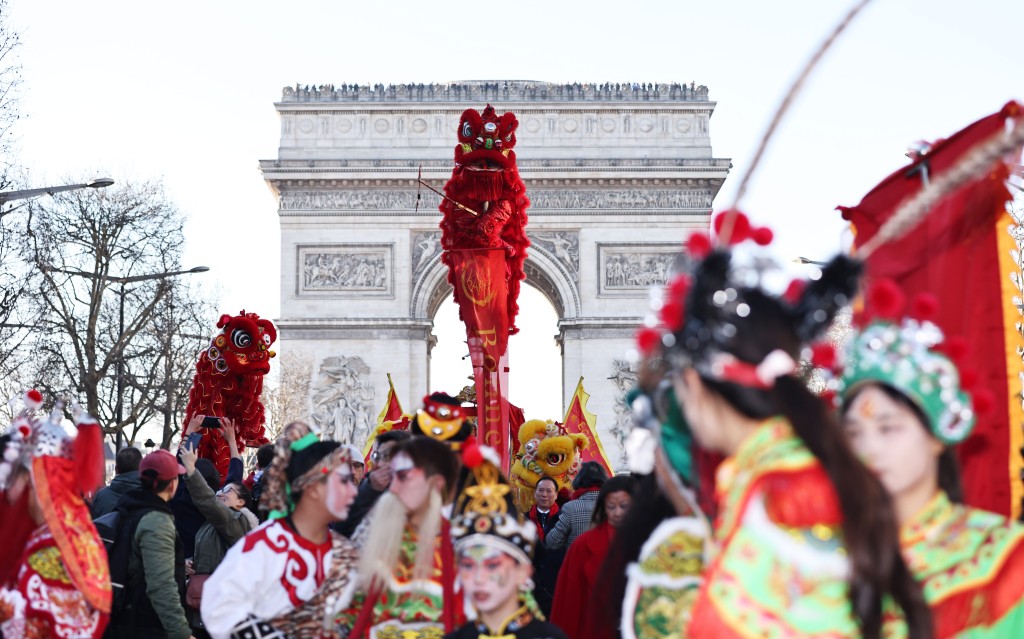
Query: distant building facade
[616, 174]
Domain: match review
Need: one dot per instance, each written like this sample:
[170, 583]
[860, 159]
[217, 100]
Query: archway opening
[535, 359]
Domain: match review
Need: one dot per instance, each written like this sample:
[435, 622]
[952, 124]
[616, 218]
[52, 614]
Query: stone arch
[542, 272]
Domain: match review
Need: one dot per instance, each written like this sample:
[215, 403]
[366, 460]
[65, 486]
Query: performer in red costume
[54, 580]
[229, 381]
[486, 199]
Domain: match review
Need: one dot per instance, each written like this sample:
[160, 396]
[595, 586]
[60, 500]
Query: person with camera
[227, 520]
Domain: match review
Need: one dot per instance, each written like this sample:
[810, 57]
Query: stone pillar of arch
[617, 176]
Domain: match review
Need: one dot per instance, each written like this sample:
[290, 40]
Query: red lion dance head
[486, 181]
[229, 381]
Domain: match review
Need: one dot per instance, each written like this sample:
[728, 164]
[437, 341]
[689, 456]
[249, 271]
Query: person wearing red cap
[156, 564]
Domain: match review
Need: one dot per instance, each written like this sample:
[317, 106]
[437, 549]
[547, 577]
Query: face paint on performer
[891, 441]
[491, 578]
[341, 491]
[409, 483]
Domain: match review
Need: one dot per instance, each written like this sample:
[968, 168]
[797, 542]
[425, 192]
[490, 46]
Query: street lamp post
[119, 410]
[98, 183]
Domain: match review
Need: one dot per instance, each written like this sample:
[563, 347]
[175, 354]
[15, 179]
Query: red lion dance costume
[485, 180]
[229, 381]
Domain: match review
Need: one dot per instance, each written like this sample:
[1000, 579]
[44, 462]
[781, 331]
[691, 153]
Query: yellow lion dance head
[544, 449]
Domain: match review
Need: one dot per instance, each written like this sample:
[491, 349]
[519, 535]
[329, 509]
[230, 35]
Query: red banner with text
[481, 282]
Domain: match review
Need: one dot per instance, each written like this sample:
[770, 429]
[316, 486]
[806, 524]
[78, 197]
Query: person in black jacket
[126, 478]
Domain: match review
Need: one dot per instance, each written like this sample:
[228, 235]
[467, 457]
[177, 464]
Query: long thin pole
[120, 374]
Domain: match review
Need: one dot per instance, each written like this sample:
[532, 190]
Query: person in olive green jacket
[156, 564]
[227, 521]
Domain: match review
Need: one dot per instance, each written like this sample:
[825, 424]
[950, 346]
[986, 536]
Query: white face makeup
[341, 491]
[408, 483]
[490, 577]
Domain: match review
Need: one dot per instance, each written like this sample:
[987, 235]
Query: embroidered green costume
[971, 567]
[782, 570]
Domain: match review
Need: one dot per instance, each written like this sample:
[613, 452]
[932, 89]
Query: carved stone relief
[625, 377]
[629, 199]
[426, 249]
[339, 269]
[343, 399]
[633, 269]
[621, 199]
[564, 246]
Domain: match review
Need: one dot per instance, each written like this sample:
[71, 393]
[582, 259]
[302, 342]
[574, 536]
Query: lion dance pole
[483, 234]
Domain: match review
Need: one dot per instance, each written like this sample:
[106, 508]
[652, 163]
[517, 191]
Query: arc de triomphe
[616, 174]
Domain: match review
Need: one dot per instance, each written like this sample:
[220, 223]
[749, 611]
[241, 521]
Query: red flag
[962, 253]
[579, 420]
[391, 417]
[481, 283]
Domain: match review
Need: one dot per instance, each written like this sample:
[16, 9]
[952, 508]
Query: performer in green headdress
[905, 404]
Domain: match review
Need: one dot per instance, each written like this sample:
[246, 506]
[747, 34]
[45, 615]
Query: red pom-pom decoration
[956, 348]
[823, 355]
[471, 455]
[968, 378]
[861, 318]
[698, 245]
[24, 430]
[924, 307]
[679, 287]
[829, 397]
[647, 340]
[885, 299]
[740, 229]
[33, 399]
[982, 400]
[794, 291]
[763, 236]
[672, 314]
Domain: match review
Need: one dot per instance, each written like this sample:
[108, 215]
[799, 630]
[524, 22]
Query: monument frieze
[632, 269]
[345, 270]
[590, 199]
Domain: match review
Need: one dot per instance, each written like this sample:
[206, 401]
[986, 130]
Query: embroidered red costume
[54, 580]
[486, 181]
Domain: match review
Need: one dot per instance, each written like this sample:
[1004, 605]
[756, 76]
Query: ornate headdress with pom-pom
[699, 310]
[62, 468]
[912, 356]
[484, 510]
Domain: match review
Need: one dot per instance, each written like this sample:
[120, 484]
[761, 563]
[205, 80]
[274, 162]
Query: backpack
[117, 531]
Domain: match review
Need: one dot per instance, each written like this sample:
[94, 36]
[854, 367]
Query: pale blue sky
[185, 91]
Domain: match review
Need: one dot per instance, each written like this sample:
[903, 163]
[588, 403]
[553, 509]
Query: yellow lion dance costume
[544, 449]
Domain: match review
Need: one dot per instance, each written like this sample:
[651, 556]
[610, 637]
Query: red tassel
[885, 299]
[88, 456]
[647, 339]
